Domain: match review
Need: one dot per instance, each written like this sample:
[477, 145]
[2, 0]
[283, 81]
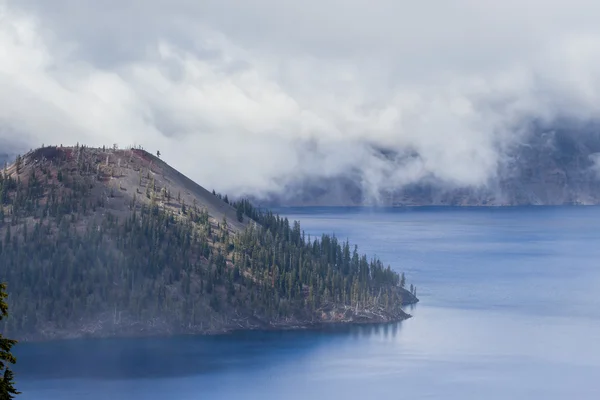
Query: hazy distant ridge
[550, 167]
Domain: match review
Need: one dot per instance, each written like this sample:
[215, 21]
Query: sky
[245, 96]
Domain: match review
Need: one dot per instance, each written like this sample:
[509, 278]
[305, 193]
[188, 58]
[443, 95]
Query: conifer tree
[18, 163]
[7, 389]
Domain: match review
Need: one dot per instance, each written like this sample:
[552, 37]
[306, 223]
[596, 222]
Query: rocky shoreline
[105, 326]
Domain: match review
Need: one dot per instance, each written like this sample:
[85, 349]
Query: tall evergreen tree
[7, 389]
[240, 214]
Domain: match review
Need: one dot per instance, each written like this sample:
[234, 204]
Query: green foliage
[240, 214]
[309, 275]
[7, 389]
[71, 262]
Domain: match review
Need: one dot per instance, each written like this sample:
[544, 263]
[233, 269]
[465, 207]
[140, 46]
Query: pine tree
[7, 390]
[18, 163]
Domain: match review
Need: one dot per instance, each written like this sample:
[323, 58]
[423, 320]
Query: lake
[510, 309]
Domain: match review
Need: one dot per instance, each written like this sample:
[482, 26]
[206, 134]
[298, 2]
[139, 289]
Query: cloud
[246, 96]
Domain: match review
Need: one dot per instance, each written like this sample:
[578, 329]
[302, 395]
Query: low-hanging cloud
[246, 96]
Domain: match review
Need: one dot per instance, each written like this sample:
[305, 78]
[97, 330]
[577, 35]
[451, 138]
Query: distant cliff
[549, 167]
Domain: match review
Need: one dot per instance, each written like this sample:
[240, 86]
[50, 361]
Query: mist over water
[509, 310]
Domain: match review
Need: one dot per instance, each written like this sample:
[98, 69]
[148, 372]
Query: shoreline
[313, 326]
[233, 327]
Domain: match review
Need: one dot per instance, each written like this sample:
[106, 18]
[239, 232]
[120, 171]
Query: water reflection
[149, 358]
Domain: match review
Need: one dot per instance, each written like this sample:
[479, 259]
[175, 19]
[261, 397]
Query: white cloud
[243, 96]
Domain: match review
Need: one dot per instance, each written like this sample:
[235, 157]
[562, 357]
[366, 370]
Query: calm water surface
[510, 309]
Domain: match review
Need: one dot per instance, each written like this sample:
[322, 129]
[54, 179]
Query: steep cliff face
[548, 167]
[556, 167]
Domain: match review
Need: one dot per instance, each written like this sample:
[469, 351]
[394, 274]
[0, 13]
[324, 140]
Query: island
[102, 242]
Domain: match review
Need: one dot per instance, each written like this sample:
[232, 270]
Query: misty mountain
[545, 167]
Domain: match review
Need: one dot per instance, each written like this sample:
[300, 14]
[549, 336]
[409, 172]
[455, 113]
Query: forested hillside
[104, 242]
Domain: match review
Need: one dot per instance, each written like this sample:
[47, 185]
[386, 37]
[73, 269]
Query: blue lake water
[510, 309]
